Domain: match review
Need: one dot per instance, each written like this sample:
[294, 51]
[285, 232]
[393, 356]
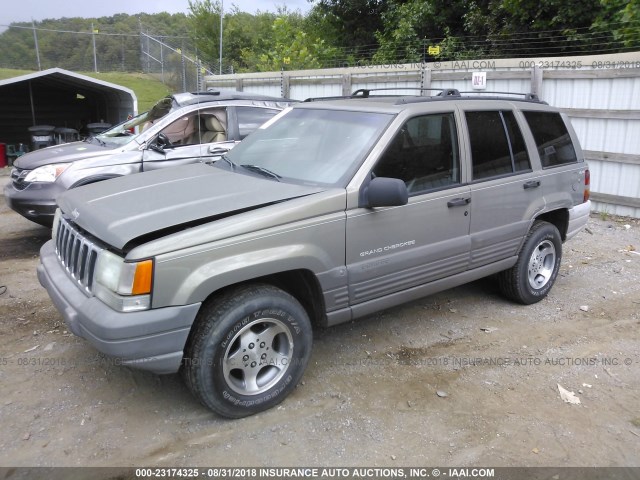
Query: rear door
[563, 168]
[396, 248]
[506, 192]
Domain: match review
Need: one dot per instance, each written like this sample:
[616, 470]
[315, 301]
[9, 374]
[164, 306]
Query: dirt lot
[369, 397]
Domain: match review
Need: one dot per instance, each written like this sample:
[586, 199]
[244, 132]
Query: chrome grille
[17, 178]
[77, 253]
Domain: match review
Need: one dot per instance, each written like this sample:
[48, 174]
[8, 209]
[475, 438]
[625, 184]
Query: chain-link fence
[177, 65]
[172, 59]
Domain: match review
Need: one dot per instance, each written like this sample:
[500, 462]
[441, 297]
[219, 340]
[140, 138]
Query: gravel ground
[461, 378]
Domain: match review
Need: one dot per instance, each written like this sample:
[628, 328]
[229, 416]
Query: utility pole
[95, 58]
[142, 57]
[221, 16]
[35, 39]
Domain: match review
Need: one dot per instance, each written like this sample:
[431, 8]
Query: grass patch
[147, 88]
[10, 73]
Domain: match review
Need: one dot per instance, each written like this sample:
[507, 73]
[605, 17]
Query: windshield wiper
[261, 170]
[90, 139]
[231, 163]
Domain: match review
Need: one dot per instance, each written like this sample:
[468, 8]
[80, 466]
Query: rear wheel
[248, 351]
[535, 272]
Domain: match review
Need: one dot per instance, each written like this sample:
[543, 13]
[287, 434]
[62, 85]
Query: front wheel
[535, 272]
[248, 350]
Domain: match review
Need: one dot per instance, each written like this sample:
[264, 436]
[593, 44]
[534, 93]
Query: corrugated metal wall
[601, 95]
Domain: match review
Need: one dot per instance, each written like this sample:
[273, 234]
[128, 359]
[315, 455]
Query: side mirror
[385, 192]
[160, 143]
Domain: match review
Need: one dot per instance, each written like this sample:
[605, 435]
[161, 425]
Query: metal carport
[60, 98]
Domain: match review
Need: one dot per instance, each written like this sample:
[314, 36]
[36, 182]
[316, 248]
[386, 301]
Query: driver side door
[392, 249]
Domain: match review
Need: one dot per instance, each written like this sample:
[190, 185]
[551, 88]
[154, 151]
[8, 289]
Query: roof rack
[366, 93]
[527, 96]
[477, 95]
[320, 99]
[190, 98]
[443, 94]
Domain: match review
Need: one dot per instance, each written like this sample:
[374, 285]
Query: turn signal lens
[142, 278]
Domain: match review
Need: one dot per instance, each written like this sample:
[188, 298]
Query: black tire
[230, 368]
[535, 272]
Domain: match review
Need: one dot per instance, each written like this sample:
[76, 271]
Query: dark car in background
[179, 129]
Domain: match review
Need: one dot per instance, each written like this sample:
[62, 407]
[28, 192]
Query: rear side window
[250, 118]
[497, 146]
[552, 138]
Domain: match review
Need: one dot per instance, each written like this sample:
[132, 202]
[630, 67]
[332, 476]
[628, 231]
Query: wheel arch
[558, 218]
[301, 284]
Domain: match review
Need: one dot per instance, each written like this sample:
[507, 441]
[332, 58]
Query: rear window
[250, 118]
[552, 138]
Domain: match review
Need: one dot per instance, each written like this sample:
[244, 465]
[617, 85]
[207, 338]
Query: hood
[120, 210]
[67, 152]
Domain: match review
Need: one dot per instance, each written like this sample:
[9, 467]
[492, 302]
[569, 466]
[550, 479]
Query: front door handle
[531, 184]
[459, 202]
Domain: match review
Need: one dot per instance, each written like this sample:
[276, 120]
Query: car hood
[67, 152]
[123, 209]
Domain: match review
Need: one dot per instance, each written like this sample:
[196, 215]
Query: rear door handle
[459, 202]
[531, 184]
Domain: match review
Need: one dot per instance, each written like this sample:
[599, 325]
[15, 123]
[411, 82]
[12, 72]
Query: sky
[26, 10]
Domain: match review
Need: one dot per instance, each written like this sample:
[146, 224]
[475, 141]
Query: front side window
[552, 138]
[182, 130]
[206, 126]
[424, 154]
[497, 145]
[311, 146]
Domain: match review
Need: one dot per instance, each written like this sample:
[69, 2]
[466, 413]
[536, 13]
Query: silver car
[183, 128]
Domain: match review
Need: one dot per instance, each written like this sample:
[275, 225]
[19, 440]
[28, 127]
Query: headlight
[46, 173]
[124, 286]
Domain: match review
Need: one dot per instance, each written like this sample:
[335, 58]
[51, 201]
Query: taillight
[587, 185]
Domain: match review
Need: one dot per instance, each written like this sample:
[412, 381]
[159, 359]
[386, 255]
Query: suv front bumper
[151, 340]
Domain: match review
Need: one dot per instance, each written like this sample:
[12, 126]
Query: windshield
[126, 131]
[311, 146]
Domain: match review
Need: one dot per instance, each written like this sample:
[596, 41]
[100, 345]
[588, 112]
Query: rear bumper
[578, 217]
[151, 340]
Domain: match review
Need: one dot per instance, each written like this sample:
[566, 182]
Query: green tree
[246, 36]
[620, 19]
[204, 25]
[408, 27]
[292, 48]
[352, 24]
[533, 27]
